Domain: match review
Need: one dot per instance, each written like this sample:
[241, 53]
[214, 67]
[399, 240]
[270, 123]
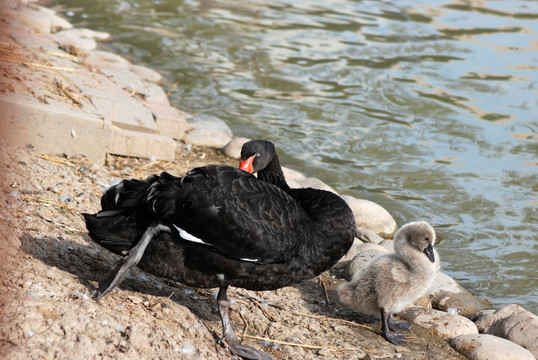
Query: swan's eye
[258, 154]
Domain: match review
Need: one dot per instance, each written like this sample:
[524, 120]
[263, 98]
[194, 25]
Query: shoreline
[111, 107]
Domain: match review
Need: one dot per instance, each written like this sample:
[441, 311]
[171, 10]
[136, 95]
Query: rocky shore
[75, 118]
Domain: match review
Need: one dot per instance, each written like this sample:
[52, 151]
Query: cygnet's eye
[427, 239]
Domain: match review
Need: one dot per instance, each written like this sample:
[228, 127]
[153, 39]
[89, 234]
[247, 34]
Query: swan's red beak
[246, 165]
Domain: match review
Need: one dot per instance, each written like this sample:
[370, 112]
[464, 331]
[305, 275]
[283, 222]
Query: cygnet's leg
[228, 333]
[122, 267]
[394, 338]
[396, 325]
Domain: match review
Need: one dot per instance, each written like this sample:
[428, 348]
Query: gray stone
[449, 296]
[514, 323]
[371, 216]
[439, 323]
[54, 128]
[208, 131]
[233, 148]
[489, 347]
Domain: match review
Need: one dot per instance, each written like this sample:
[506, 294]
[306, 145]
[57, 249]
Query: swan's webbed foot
[396, 325]
[228, 333]
[388, 324]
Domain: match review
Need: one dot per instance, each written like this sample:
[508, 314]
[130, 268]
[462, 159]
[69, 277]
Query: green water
[428, 108]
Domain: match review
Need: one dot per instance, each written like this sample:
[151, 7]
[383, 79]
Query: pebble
[489, 347]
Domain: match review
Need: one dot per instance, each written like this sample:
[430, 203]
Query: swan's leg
[122, 267]
[396, 325]
[394, 338]
[228, 333]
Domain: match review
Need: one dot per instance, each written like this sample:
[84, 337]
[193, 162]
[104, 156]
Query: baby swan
[395, 280]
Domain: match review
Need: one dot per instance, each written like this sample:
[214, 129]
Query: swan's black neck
[273, 174]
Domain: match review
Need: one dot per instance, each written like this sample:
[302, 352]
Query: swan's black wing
[232, 212]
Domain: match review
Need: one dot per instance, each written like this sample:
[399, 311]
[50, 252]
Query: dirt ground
[49, 268]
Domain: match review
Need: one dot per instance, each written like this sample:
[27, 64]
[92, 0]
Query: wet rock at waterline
[489, 347]
[514, 323]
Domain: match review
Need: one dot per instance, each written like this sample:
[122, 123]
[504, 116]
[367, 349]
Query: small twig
[324, 290]
[51, 203]
[306, 346]
[266, 312]
[340, 320]
[246, 325]
[38, 65]
[60, 224]
[58, 54]
[172, 88]
[55, 160]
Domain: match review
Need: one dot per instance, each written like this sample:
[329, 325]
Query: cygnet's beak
[429, 253]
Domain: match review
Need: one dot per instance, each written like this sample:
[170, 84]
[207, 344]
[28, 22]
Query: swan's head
[256, 155]
[418, 235]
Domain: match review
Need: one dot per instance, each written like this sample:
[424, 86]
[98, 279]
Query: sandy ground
[50, 267]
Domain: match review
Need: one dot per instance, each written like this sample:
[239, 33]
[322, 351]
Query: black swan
[394, 281]
[219, 226]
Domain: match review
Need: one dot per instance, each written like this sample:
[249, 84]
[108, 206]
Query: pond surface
[429, 108]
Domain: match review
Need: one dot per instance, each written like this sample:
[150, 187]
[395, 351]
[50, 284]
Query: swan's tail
[126, 212]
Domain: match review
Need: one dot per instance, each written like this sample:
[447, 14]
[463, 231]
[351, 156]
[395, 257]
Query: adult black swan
[219, 226]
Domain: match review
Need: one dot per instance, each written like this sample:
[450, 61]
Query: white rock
[489, 347]
[208, 131]
[233, 148]
[371, 216]
[514, 323]
[440, 323]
